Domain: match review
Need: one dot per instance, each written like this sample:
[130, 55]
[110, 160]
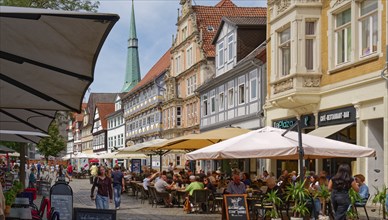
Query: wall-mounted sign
[337, 116]
[307, 121]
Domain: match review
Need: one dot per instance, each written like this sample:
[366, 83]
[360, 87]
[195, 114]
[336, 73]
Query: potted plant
[380, 197]
[273, 198]
[324, 195]
[298, 194]
[18, 186]
[9, 197]
[354, 197]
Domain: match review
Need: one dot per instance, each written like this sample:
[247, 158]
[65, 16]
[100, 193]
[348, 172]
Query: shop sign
[337, 116]
[307, 121]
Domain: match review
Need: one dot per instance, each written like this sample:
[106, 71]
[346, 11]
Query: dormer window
[210, 28]
[230, 47]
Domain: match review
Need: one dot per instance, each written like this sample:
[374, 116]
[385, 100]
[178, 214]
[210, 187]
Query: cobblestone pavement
[131, 208]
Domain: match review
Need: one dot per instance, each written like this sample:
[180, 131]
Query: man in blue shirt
[118, 185]
[236, 186]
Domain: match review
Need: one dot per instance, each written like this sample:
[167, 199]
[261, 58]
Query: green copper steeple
[132, 73]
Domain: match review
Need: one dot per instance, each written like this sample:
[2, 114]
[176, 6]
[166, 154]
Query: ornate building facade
[325, 64]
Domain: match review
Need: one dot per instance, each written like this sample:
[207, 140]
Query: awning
[326, 131]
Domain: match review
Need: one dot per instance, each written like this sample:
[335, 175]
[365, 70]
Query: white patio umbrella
[268, 142]
[116, 155]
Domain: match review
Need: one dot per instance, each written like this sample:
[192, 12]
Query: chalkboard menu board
[63, 204]
[236, 206]
[94, 214]
[61, 197]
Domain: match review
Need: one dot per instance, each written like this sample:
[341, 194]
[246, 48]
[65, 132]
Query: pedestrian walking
[118, 185]
[104, 189]
[70, 172]
[340, 185]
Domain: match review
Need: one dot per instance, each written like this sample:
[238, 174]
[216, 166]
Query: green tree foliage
[67, 5]
[52, 145]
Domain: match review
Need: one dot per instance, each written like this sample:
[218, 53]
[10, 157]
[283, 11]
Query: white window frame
[230, 49]
[241, 94]
[311, 37]
[205, 111]
[345, 29]
[212, 104]
[368, 16]
[281, 47]
[230, 97]
[252, 82]
[221, 97]
[220, 54]
[177, 64]
[189, 56]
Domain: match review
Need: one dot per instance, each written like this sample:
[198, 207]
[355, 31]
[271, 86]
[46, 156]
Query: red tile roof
[210, 16]
[160, 67]
[103, 110]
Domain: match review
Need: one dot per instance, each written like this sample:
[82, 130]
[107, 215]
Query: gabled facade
[235, 96]
[193, 62]
[88, 114]
[326, 60]
[142, 104]
[116, 126]
[99, 130]
[77, 132]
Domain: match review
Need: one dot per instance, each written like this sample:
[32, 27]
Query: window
[230, 47]
[213, 104]
[253, 88]
[178, 121]
[220, 55]
[368, 27]
[205, 105]
[343, 36]
[310, 44]
[184, 33]
[178, 111]
[241, 94]
[230, 98]
[189, 53]
[285, 51]
[178, 89]
[177, 64]
[178, 160]
[191, 85]
[222, 101]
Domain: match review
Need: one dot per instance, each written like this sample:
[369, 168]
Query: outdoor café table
[21, 202]
[179, 195]
[20, 213]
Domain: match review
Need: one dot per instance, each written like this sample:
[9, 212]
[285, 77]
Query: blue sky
[155, 25]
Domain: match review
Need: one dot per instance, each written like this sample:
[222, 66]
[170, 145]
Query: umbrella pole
[301, 151]
[160, 162]
[22, 168]
[150, 162]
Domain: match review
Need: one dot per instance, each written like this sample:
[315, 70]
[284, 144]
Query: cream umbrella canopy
[196, 141]
[268, 142]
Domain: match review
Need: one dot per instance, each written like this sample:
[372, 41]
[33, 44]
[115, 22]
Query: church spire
[132, 73]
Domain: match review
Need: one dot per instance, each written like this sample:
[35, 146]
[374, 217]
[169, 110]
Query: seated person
[177, 181]
[236, 186]
[162, 186]
[364, 190]
[246, 180]
[208, 185]
[195, 184]
[148, 179]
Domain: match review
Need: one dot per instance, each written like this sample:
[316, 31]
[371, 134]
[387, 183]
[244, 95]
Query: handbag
[187, 206]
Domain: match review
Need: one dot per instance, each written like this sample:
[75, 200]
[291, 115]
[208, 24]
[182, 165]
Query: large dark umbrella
[47, 57]
[47, 61]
